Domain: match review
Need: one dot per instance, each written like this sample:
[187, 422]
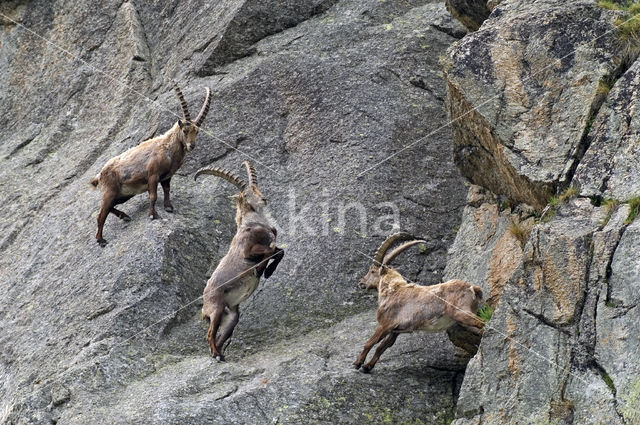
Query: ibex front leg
[166, 187]
[466, 318]
[153, 195]
[388, 342]
[375, 338]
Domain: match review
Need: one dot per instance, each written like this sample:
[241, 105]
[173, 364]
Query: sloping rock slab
[610, 166]
[522, 91]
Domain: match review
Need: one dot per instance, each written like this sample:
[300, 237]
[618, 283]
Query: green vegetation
[609, 206]
[628, 25]
[564, 196]
[607, 380]
[445, 417]
[634, 209]
[611, 5]
[485, 312]
[555, 201]
[604, 87]
[521, 230]
[568, 193]
[505, 205]
[547, 216]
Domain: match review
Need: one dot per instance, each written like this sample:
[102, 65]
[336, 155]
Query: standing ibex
[406, 307]
[238, 273]
[142, 167]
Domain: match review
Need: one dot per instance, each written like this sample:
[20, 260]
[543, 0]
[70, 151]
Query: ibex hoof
[366, 369]
[168, 209]
[220, 358]
[126, 218]
[154, 217]
[102, 242]
[357, 365]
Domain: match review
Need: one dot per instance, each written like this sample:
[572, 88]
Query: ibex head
[381, 260]
[190, 128]
[250, 201]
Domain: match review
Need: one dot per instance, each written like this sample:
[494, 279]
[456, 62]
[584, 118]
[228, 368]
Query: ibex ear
[180, 123]
[383, 270]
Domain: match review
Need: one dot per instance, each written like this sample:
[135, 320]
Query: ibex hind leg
[121, 215]
[229, 322]
[108, 200]
[215, 319]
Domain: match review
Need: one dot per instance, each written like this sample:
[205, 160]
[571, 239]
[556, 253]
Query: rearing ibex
[406, 307]
[238, 273]
[142, 167]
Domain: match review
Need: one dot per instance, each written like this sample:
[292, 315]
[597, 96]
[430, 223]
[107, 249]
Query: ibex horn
[393, 254]
[387, 244]
[205, 107]
[222, 173]
[251, 173]
[183, 103]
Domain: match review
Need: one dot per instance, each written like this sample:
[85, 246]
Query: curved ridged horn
[393, 254]
[251, 173]
[222, 173]
[205, 107]
[387, 244]
[183, 103]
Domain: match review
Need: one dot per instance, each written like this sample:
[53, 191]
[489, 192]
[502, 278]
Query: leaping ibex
[238, 273]
[405, 307]
[142, 167]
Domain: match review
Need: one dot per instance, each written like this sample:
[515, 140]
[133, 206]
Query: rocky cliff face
[542, 97]
[328, 99]
[314, 93]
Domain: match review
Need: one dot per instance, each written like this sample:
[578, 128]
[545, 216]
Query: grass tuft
[628, 25]
[604, 87]
[485, 312]
[555, 201]
[521, 230]
[608, 381]
[609, 206]
[634, 209]
[568, 193]
[610, 5]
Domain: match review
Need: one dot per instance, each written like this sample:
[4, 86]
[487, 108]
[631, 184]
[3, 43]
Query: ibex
[142, 167]
[238, 273]
[405, 307]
